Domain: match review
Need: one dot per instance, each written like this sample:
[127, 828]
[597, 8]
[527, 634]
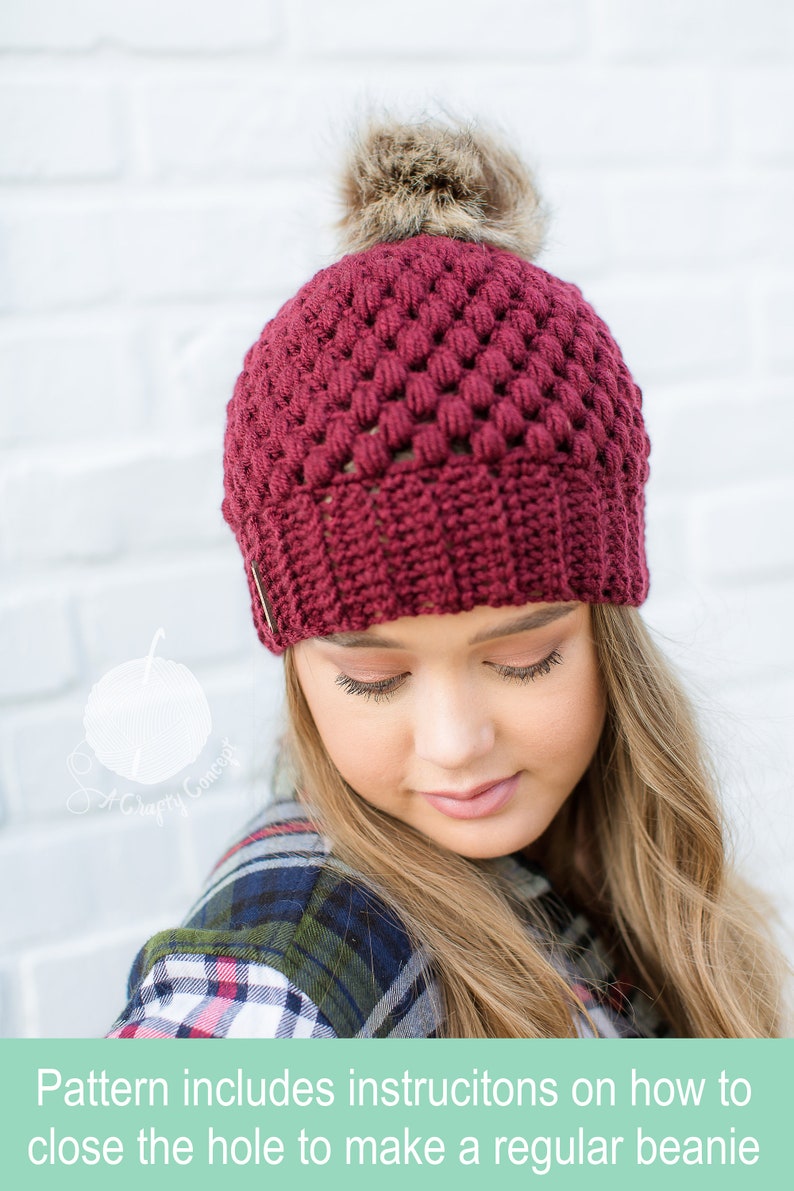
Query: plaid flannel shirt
[286, 942]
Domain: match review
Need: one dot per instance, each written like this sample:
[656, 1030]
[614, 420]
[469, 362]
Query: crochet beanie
[434, 423]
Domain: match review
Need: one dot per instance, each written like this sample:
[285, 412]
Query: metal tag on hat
[268, 611]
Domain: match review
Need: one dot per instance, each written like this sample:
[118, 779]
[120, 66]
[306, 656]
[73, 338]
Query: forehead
[454, 629]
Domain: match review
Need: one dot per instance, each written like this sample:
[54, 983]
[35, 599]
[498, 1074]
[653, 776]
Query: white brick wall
[167, 171]
[59, 131]
[154, 26]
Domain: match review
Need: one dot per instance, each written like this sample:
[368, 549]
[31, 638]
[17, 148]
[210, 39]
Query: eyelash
[386, 687]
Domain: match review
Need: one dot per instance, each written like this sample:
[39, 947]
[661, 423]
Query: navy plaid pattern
[285, 941]
[194, 996]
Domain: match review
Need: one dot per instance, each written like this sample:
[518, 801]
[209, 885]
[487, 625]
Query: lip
[483, 800]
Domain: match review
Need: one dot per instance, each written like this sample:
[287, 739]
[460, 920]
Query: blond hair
[640, 843]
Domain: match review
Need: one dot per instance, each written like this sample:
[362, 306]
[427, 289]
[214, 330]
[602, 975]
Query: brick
[675, 327]
[247, 715]
[89, 875]
[634, 117]
[661, 221]
[200, 358]
[577, 236]
[759, 103]
[9, 1024]
[351, 28]
[180, 251]
[746, 535]
[170, 251]
[52, 769]
[746, 632]
[77, 989]
[78, 511]
[251, 717]
[777, 316]
[204, 607]
[92, 388]
[6, 768]
[54, 773]
[36, 644]
[711, 435]
[754, 221]
[215, 822]
[179, 25]
[229, 126]
[706, 30]
[666, 545]
[59, 131]
[58, 258]
[49, 762]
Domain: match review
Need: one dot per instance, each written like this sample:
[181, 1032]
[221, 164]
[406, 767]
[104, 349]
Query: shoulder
[199, 994]
[294, 940]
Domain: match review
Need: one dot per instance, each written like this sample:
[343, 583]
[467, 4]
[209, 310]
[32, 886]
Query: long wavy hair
[640, 843]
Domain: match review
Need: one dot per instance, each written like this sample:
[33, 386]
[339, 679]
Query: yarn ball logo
[148, 718]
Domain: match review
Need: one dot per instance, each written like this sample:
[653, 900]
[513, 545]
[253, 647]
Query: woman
[435, 462]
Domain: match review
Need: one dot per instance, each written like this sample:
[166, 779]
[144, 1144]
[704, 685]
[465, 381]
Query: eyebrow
[532, 620]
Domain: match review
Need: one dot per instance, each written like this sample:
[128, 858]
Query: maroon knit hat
[427, 426]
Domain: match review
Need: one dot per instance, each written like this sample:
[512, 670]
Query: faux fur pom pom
[454, 180]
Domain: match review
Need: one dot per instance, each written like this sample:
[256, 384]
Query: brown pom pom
[455, 180]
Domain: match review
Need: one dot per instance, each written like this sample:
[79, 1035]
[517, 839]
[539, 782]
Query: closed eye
[384, 688]
[528, 673]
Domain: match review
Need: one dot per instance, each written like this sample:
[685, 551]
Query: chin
[484, 842]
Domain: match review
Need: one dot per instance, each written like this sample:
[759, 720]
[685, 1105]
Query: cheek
[371, 759]
[585, 720]
[577, 727]
[355, 741]
[565, 728]
[364, 742]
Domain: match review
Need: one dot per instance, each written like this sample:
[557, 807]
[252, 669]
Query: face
[473, 727]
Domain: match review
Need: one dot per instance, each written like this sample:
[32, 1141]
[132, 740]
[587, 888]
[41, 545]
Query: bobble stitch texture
[428, 426]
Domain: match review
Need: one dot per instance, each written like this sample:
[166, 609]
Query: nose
[452, 726]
